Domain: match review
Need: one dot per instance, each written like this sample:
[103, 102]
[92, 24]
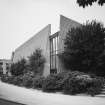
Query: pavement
[7, 102]
[36, 97]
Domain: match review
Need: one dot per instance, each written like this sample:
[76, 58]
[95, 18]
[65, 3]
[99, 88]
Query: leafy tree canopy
[84, 48]
[36, 62]
[85, 3]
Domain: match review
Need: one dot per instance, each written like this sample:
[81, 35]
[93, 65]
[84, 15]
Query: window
[53, 53]
[1, 63]
[1, 68]
[7, 66]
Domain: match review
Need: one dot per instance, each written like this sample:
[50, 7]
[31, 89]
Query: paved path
[35, 97]
[6, 102]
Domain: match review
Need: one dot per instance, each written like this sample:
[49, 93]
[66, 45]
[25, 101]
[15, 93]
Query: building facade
[51, 45]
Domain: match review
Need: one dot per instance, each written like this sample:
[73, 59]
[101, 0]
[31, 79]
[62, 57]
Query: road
[35, 97]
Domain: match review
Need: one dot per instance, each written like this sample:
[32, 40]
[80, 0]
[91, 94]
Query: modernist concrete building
[5, 66]
[51, 45]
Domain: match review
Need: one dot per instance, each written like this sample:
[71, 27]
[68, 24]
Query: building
[5, 66]
[51, 45]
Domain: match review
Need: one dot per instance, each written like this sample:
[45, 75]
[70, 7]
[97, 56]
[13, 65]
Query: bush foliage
[54, 82]
[83, 84]
[84, 48]
[65, 82]
[27, 80]
[73, 83]
[36, 62]
[38, 82]
[18, 68]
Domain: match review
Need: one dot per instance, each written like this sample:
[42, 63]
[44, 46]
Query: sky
[21, 19]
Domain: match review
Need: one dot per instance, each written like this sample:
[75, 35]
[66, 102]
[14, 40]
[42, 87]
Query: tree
[85, 3]
[18, 68]
[84, 48]
[36, 62]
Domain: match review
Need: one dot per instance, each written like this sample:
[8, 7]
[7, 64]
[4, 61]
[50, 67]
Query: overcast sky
[21, 19]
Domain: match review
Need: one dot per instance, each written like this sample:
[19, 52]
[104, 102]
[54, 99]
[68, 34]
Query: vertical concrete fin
[39, 40]
[65, 25]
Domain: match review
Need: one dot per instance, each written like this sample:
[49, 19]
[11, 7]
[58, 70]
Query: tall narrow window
[53, 53]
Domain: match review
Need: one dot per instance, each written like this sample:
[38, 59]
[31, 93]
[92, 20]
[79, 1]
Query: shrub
[1, 72]
[27, 81]
[4, 78]
[18, 80]
[30, 74]
[12, 80]
[83, 84]
[49, 84]
[67, 82]
[18, 68]
[54, 82]
[74, 84]
[36, 62]
[70, 86]
[38, 82]
[60, 79]
[95, 86]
